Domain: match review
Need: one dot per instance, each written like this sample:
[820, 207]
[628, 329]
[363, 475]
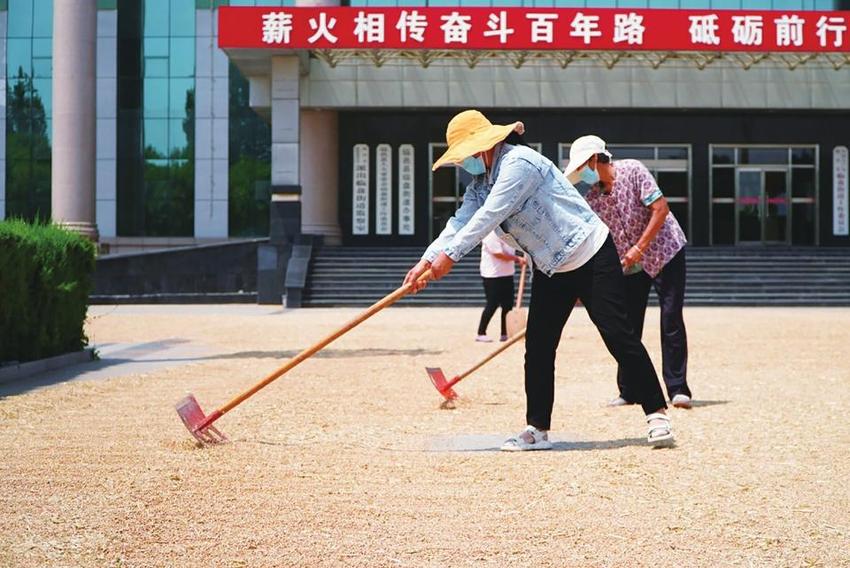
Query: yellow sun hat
[468, 133]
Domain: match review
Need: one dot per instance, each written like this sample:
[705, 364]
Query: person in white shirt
[497, 273]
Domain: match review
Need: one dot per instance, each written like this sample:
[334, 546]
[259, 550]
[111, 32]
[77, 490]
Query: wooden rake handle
[487, 359]
[315, 348]
[521, 283]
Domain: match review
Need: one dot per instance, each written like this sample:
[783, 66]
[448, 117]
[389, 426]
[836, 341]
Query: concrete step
[716, 276]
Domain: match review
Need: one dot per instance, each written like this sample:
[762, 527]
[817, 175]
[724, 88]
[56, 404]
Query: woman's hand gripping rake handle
[310, 351]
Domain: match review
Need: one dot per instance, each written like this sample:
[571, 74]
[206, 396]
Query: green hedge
[45, 279]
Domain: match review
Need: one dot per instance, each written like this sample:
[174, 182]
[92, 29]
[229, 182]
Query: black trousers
[500, 294]
[600, 286]
[669, 284]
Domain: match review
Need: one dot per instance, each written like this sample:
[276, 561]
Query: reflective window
[803, 182]
[19, 19]
[723, 183]
[181, 20]
[802, 156]
[723, 156]
[672, 153]
[156, 68]
[156, 19]
[763, 155]
[156, 138]
[42, 47]
[443, 183]
[804, 217]
[249, 175]
[447, 188]
[723, 224]
[634, 153]
[179, 64]
[29, 91]
[674, 184]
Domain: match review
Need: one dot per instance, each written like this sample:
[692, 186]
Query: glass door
[763, 194]
[448, 185]
[775, 218]
[761, 206]
[748, 205]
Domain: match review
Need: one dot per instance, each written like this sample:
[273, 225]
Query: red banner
[617, 29]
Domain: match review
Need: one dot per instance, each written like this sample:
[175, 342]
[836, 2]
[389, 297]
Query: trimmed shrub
[45, 279]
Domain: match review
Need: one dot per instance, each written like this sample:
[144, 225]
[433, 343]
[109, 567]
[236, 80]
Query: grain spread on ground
[334, 465]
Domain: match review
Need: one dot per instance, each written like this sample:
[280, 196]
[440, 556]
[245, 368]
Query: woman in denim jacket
[527, 200]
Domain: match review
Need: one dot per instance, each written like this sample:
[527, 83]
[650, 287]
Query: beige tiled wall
[212, 83]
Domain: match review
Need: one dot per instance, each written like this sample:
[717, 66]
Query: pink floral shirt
[626, 212]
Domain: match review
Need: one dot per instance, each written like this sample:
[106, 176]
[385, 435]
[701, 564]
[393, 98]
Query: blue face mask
[474, 166]
[588, 176]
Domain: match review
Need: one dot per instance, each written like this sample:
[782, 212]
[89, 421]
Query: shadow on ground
[117, 360]
[113, 360]
[493, 443]
[329, 354]
[704, 403]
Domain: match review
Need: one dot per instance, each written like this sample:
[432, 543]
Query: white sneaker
[619, 401]
[660, 433]
[682, 401]
[483, 339]
[540, 441]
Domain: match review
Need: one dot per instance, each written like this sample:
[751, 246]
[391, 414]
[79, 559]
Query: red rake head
[439, 379]
[198, 424]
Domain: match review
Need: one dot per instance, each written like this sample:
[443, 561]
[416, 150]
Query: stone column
[288, 155]
[320, 174]
[285, 219]
[285, 206]
[74, 132]
[319, 164]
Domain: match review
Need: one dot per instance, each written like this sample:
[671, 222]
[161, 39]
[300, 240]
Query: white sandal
[660, 433]
[519, 444]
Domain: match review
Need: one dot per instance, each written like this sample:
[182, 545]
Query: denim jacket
[526, 197]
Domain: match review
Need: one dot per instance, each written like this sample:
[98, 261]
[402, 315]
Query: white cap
[581, 151]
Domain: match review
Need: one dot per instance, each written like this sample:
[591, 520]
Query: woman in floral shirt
[651, 246]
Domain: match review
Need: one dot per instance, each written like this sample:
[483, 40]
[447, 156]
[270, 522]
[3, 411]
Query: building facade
[181, 158]
[198, 143]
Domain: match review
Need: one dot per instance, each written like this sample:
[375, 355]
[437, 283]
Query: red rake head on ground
[443, 386]
[199, 424]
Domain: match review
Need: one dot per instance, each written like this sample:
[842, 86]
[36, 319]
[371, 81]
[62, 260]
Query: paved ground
[350, 460]
[115, 360]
